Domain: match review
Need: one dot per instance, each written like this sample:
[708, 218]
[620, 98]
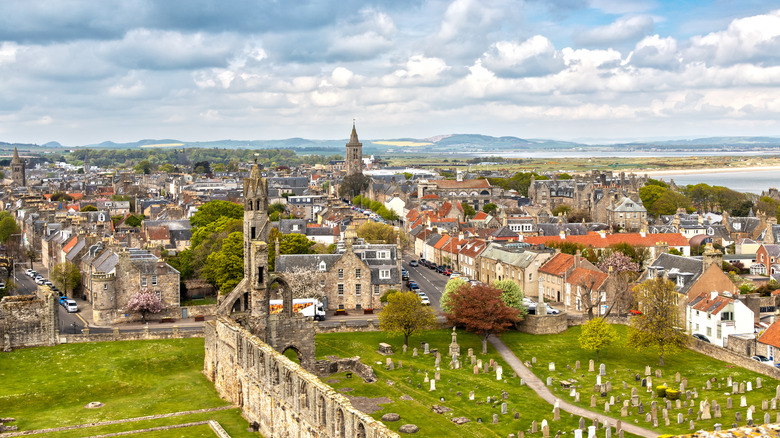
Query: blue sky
[82, 72]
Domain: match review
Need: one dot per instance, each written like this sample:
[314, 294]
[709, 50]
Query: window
[384, 274]
[357, 273]
[720, 331]
[322, 283]
[383, 254]
[105, 286]
[341, 289]
[709, 331]
[376, 289]
[341, 274]
[322, 266]
[357, 289]
[154, 280]
[159, 294]
[143, 281]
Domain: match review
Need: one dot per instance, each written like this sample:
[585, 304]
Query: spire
[17, 160]
[353, 138]
[255, 175]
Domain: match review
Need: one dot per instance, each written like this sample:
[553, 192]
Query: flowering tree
[145, 302]
[619, 262]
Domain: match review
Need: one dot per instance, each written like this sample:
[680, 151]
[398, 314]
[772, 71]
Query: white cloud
[534, 57]
[341, 77]
[751, 39]
[621, 30]
[656, 52]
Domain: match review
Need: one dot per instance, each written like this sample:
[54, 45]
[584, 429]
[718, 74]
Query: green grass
[564, 349]
[47, 387]
[199, 301]
[521, 398]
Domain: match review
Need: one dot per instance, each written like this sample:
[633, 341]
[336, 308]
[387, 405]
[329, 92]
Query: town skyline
[598, 71]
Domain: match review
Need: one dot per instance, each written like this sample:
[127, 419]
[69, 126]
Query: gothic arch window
[361, 431]
[288, 384]
[249, 204]
[304, 395]
[484, 193]
[341, 428]
[258, 205]
[323, 410]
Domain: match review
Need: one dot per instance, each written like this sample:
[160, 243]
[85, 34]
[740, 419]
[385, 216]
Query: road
[430, 281]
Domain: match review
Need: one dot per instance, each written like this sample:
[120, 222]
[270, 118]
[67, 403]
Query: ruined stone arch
[286, 294]
[341, 428]
[288, 384]
[303, 392]
[361, 431]
[322, 410]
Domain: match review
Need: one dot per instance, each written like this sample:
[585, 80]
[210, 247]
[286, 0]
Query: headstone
[737, 416]
[495, 418]
[749, 415]
[471, 352]
[414, 352]
[619, 426]
[533, 360]
[677, 404]
[773, 404]
[658, 373]
[624, 411]
[577, 433]
[764, 405]
[741, 387]
[758, 382]
[426, 377]
[742, 401]
[476, 369]
[549, 381]
[433, 385]
[572, 391]
[729, 403]
[576, 397]
[534, 427]
[633, 392]
[427, 349]
[705, 412]
[708, 384]
[545, 431]
[749, 386]
[677, 377]
[735, 388]
[728, 380]
[717, 411]
[647, 370]
[598, 380]
[625, 385]
[718, 427]
[602, 370]
[504, 395]
[777, 391]
[593, 401]
[606, 406]
[608, 432]
[471, 395]
[577, 365]
[692, 426]
[517, 415]
[454, 347]
[591, 431]
[644, 383]
[592, 369]
[679, 418]
[641, 408]
[609, 387]
[551, 366]
[556, 414]
[499, 371]
[479, 363]
[437, 375]
[767, 417]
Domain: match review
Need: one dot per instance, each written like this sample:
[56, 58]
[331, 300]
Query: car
[28, 272]
[2, 285]
[701, 337]
[432, 265]
[69, 305]
[39, 280]
[414, 287]
[48, 283]
[411, 284]
[404, 274]
[425, 301]
[440, 269]
[763, 359]
[421, 293]
[413, 263]
[455, 274]
[447, 272]
[421, 261]
[634, 312]
[552, 310]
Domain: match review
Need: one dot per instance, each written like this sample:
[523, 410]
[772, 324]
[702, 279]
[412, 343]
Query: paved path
[540, 388]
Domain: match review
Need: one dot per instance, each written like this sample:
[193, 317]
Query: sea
[750, 181]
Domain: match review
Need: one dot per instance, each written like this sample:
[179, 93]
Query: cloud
[534, 57]
[656, 52]
[167, 50]
[621, 30]
[752, 39]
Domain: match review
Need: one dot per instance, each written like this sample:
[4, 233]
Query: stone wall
[358, 325]
[544, 324]
[116, 335]
[28, 321]
[725, 355]
[277, 394]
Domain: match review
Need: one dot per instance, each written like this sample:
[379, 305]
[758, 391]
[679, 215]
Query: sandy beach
[698, 170]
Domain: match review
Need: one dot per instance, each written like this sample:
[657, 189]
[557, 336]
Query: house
[599, 241]
[768, 343]
[585, 288]
[692, 276]
[554, 277]
[513, 261]
[468, 258]
[627, 214]
[767, 260]
[717, 316]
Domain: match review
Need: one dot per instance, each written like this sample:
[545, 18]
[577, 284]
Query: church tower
[17, 169]
[257, 228]
[354, 153]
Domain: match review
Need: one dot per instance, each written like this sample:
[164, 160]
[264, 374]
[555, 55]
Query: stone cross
[404, 348]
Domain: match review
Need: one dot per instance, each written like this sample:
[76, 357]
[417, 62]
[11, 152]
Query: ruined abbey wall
[276, 394]
[28, 321]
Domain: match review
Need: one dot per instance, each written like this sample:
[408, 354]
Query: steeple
[353, 138]
[354, 161]
[17, 169]
[17, 160]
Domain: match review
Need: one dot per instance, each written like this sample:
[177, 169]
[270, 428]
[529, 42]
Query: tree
[353, 185]
[89, 208]
[376, 232]
[622, 271]
[452, 285]
[202, 167]
[276, 207]
[293, 243]
[225, 268]
[596, 335]
[405, 313]
[145, 302]
[660, 323]
[8, 226]
[213, 210]
[134, 221]
[65, 276]
[468, 210]
[481, 310]
[511, 294]
[561, 210]
[489, 208]
[618, 261]
[305, 283]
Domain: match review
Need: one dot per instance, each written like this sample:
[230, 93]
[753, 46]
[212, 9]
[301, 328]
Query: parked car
[69, 305]
[432, 265]
[404, 274]
[413, 263]
[447, 272]
[552, 310]
[763, 359]
[701, 337]
[413, 286]
[440, 269]
[455, 274]
[425, 301]
[634, 312]
[39, 280]
[421, 261]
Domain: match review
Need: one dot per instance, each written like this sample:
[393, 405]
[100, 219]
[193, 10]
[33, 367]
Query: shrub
[660, 391]
[672, 394]
[384, 296]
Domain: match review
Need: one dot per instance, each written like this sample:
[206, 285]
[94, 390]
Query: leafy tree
[649, 194]
[659, 324]
[145, 302]
[743, 209]
[203, 167]
[655, 182]
[8, 226]
[89, 208]
[305, 283]
[353, 185]
[66, 276]
[405, 313]
[134, 221]
[213, 210]
[325, 187]
[225, 268]
[638, 254]
[489, 208]
[277, 207]
[618, 261]
[596, 335]
[377, 233]
[293, 243]
[481, 310]
[468, 210]
[512, 295]
[167, 168]
[386, 295]
[145, 167]
[669, 203]
[452, 285]
[561, 209]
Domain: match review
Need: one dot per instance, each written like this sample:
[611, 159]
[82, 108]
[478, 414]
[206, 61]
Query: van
[70, 306]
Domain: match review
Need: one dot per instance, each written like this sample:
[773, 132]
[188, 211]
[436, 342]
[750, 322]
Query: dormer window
[680, 281]
[322, 266]
[710, 231]
[737, 226]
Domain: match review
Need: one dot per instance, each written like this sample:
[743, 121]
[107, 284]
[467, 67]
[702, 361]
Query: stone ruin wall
[276, 394]
[28, 321]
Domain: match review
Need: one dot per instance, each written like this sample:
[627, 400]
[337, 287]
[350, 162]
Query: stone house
[516, 262]
[476, 192]
[599, 241]
[554, 278]
[355, 277]
[110, 276]
[768, 343]
[767, 260]
[627, 214]
[468, 258]
[586, 286]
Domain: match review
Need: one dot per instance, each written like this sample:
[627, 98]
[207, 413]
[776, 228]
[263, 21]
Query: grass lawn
[47, 387]
[564, 349]
[394, 384]
[199, 301]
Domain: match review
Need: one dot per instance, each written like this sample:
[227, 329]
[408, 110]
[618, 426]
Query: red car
[634, 312]
[447, 272]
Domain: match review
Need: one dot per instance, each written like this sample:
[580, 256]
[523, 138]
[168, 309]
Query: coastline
[700, 170]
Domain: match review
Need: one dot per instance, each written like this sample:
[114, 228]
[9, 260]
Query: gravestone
[641, 408]
[577, 433]
[677, 377]
[606, 406]
[495, 418]
[737, 416]
[576, 397]
[533, 360]
[545, 431]
[624, 411]
[476, 369]
[749, 386]
[705, 411]
[433, 385]
[427, 349]
[593, 401]
[577, 365]
[582, 423]
[658, 374]
[742, 401]
[602, 370]
[437, 375]
[414, 352]
[591, 431]
[741, 387]
[648, 417]
[708, 384]
[556, 413]
[735, 388]
[551, 366]
[777, 391]
[758, 382]
[767, 418]
[679, 418]
[534, 427]
[549, 381]
[692, 426]
[773, 404]
[592, 369]
[609, 387]
[471, 395]
[625, 385]
[729, 403]
[454, 347]
[677, 404]
[717, 411]
[426, 377]
[647, 370]
[764, 405]
[499, 372]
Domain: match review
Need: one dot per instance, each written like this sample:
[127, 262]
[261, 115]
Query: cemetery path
[541, 389]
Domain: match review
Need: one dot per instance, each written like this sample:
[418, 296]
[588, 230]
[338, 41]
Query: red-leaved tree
[481, 310]
[145, 302]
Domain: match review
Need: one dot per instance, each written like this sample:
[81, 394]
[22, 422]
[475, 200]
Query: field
[48, 387]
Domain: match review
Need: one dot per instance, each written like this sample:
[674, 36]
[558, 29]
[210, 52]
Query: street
[430, 281]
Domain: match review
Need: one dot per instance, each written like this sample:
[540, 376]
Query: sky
[82, 72]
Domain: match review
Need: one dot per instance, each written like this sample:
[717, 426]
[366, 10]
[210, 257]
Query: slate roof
[467, 184]
[684, 271]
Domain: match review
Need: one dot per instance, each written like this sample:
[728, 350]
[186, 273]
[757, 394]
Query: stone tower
[17, 169]
[354, 153]
[257, 228]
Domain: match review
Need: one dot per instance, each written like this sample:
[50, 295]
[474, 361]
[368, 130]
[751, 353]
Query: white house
[717, 316]
[397, 205]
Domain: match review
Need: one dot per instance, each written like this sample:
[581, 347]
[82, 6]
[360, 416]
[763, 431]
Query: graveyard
[477, 395]
[703, 393]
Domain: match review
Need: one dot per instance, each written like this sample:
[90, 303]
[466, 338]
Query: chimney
[563, 235]
[577, 256]
[713, 295]
[711, 256]
[643, 232]
[603, 234]
[661, 248]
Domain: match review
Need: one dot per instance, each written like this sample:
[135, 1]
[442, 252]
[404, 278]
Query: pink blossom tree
[145, 302]
[619, 262]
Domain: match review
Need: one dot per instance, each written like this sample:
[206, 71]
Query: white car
[39, 280]
[425, 301]
[455, 275]
[70, 306]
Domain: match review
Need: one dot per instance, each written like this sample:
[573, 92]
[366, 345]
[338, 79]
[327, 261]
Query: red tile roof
[558, 264]
[473, 248]
[706, 304]
[157, 233]
[581, 276]
[481, 216]
[70, 244]
[441, 242]
[771, 336]
[595, 240]
[431, 196]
